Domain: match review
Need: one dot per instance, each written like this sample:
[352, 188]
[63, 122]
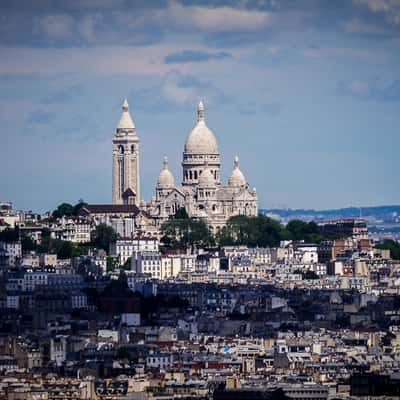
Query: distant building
[147, 262]
[352, 227]
[123, 248]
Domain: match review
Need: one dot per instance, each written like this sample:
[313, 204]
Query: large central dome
[201, 140]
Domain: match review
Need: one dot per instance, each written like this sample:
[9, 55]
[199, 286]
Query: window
[121, 149]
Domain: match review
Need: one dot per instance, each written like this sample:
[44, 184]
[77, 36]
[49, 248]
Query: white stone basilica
[201, 192]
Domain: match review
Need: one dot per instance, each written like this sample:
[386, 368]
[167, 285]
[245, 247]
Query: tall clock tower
[125, 170]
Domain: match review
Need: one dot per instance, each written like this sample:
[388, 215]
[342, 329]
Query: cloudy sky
[306, 92]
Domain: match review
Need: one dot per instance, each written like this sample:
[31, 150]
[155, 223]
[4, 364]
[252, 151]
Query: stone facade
[125, 170]
[201, 193]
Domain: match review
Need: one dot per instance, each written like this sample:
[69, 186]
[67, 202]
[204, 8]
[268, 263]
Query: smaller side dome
[206, 178]
[237, 178]
[166, 179]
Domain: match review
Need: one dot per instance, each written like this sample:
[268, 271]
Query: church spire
[165, 163]
[125, 121]
[200, 111]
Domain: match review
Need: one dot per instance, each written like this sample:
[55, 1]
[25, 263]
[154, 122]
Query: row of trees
[67, 209]
[181, 232]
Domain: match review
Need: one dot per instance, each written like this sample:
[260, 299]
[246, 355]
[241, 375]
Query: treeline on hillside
[67, 210]
[348, 212]
[181, 232]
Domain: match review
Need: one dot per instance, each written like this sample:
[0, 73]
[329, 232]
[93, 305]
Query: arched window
[132, 148]
[195, 174]
[121, 149]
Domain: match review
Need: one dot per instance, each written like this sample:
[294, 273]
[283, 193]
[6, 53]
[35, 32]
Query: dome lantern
[200, 111]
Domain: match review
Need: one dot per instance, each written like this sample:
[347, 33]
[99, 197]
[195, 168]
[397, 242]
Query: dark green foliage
[124, 353]
[391, 245]
[387, 339]
[300, 230]
[77, 207]
[153, 304]
[310, 275]
[103, 236]
[181, 214]
[186, 232]
[9, 235]
[111, 263]
[66, 209]
[251, 231]
[64, 249]
[63, 209]
[27, 243]
[45, 233]
[13, 235]
[127, 265]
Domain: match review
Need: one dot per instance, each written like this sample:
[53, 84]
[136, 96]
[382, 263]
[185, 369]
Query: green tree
[78, 206]
[63, 209]
[65, 249]
[9, 235]
[127, 264]
[391, 245]
[185, 233]
[45, 233]
[111, 263]
[103, 235]
[300, 230]
[27, 243]
[310, 275]
[251, 231]
[181, 214]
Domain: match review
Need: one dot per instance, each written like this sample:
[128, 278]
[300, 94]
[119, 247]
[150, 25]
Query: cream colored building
[125, 169]
[201, 192]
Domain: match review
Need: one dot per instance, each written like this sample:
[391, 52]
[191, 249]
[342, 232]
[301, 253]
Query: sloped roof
[111, 209]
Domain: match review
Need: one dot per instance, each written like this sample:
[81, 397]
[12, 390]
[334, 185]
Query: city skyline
[307, 93]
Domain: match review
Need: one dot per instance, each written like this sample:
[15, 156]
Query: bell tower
[125, 169]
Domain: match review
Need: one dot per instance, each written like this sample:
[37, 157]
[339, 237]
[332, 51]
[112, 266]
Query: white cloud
[173, 90]
[216, 19]
[390, 8]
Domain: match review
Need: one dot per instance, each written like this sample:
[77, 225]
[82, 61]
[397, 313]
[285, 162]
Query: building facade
[125, 169]
[202, 193]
